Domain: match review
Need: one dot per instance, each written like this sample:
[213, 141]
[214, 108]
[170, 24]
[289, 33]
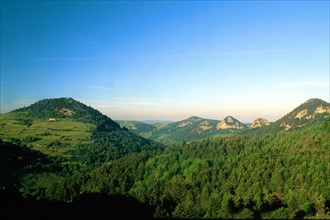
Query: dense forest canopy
[265, 174]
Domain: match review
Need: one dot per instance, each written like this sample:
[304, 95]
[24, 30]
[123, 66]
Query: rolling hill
[259, 122]
[193, 128]
[53, 162]
[69, 129]
[71, 136]
[230, 122]
[307, 114]
[137, 127]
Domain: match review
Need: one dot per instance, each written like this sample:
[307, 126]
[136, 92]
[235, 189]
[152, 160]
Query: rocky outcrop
[230, 122]
[322, 109]
[260, 122]
[205, 125]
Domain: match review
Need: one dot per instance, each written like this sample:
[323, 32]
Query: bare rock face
[66, 111]
[322, 109]
[230, 122]
[302, 114]
[204, 126]
[311, 111]
[260, 122]
[306, 114]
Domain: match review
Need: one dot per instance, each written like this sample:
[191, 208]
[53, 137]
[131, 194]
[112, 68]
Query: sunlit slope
[66, 127]
[49, 137]
[307, 114]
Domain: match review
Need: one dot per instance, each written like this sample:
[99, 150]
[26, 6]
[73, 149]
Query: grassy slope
[52, 138]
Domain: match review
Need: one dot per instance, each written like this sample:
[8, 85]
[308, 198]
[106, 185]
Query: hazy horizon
[27, 103]
[167, 60]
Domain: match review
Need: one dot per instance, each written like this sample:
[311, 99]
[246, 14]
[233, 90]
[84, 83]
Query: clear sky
[166, 60]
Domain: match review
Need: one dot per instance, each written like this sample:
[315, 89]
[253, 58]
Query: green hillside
[64, 127]
[76, 136]
[185, 130]
[234, 177]
[311, 112]
[192, 128]
[137, 127]
[67, 108]
[55, 162]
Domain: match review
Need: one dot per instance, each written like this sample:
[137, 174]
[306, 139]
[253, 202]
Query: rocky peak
[260, 122]
[230, 122]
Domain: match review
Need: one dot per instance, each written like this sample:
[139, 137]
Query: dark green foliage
[282, 175]
[189, 129]
[30, 139]
[270, 175]
[137, 127]
[24, 121]
[17, 159]
[68, 108]
[112, 145]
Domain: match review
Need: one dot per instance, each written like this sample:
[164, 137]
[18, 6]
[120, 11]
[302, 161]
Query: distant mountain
[259, 122]
[311, 112]
[230, 122]
[192, 128]
[188, 129]
[137, 127]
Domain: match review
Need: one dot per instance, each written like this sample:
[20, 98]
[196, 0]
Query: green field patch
[50, 137]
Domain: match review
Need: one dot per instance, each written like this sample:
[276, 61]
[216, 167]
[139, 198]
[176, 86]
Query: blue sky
[166, 60]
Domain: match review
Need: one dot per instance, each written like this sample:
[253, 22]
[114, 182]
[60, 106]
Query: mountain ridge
[194, 127]
[308, 113]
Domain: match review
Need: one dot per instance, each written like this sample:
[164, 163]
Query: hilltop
[68, 108]
[230, 122]
[309, 113]
[66, 127]
[259, 122]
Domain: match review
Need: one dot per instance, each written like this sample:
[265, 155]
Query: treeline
[283, 175]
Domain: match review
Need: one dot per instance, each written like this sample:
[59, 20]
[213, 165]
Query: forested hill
[284, 175]
[54, 157]
[68, 108]
[309, 113]
[72, 131]
[138, 127]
